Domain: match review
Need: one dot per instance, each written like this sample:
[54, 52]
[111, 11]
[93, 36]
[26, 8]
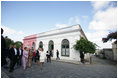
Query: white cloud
[20, 32]
[103, 22]
[97, 36]
[8, 31]
[61, 25]
[13, 34]
[77, 20]
[97, 5]
[71, 21]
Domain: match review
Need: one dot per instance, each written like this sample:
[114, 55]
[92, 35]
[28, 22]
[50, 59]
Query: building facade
[30, 41]
[61, 39]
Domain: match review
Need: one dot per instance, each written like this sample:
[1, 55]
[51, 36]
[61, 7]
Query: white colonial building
[61, 39]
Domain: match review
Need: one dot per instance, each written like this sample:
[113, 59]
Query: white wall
[57, 39]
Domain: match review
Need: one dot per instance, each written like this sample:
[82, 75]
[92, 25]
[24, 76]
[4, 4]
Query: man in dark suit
[57, 55]
[9, 49]
[20, 52]
[49, 56]
[14, 56]
[82, 57]
[3, 50]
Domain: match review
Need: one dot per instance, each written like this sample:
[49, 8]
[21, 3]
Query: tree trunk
[90, 59]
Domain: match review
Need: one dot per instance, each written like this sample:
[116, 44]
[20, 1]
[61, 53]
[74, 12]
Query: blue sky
[31, 17]
[42, 14]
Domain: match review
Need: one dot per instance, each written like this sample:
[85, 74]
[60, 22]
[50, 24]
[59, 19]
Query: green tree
[110, 36]
[18, 44]
[8, 42]
[84, 45]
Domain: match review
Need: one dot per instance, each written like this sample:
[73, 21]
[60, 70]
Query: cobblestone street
[99, 69]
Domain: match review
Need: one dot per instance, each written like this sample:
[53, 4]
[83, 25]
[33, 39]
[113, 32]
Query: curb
[71, 62]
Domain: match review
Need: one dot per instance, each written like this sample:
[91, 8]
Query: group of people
[17, 56]
[14, 56]
[29, 56]
[23, 57]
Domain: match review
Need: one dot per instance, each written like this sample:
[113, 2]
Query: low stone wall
[98, 52]
[114, 48]
[108, 53]
[87, 56]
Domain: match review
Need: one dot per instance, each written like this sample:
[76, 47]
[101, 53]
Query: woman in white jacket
[42, 58]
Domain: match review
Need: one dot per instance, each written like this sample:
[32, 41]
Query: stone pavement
[67, 61]
[95, 60]
[63, 69]
[3, 74]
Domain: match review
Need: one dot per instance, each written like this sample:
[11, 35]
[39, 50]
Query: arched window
[51, 45]
[65, 48]
[40, 44]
